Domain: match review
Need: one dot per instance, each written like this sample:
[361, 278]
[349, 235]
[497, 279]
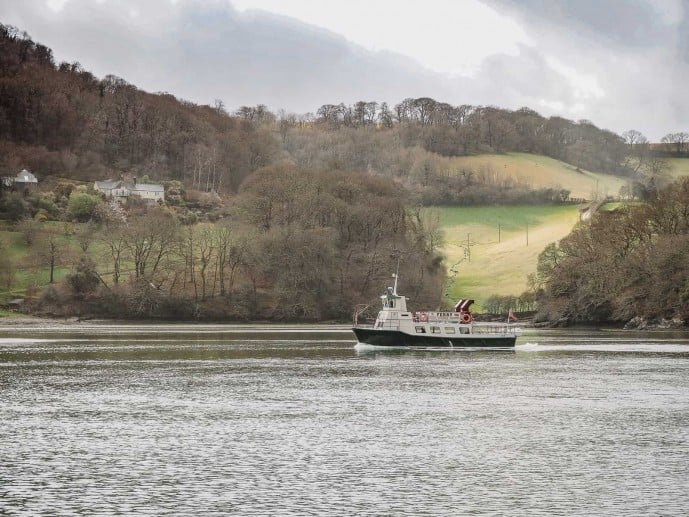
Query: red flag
[511, 316]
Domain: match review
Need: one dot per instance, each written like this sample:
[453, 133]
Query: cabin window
[463, 330]
[435, 330]
[449, 330]
[420, 330]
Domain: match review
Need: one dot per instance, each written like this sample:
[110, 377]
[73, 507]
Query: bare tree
[51, 250]
[149, 239]
[637, 149]
[676, 142]
[114, 240]
[7, 269]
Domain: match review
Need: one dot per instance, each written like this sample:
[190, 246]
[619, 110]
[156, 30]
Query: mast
[396, 275]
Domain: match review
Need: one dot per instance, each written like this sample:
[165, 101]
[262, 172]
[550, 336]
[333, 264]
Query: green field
[678, 167]
[504, 244]
[31, 270]
[542, 172]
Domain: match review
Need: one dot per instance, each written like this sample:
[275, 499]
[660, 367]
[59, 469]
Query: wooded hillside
[61, 120]
[58, 119]
[627, 262]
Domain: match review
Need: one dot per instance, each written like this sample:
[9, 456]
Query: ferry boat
[396, 326]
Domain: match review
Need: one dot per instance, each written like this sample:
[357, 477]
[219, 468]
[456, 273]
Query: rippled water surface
[210, 420]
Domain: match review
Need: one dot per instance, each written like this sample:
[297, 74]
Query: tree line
[462, 130]
[60, 120]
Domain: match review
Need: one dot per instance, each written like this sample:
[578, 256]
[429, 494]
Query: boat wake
[621, 346]
[527, 346]
[365, 347]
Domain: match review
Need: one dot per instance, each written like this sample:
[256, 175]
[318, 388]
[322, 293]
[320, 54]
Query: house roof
[109, 184]
[25, 176]
[149, 187]
[129, 187]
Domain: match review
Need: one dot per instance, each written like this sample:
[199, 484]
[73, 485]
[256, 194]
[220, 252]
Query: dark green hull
[395, 338]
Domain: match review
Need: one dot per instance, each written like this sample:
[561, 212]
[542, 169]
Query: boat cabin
[392, 300]
[394, 309]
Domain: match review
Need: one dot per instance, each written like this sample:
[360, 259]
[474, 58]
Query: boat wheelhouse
[396, 326]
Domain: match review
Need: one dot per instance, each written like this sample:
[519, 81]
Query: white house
[112, 189]
[25, 181]
[148, 191]
[121, 190]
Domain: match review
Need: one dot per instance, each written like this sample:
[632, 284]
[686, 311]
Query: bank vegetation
[629, 263]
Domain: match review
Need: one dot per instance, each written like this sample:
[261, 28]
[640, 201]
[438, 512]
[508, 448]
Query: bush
[45, 203]
[82, 205]
[85, 279]
[15, 208]
[41, 216]
[64, 189]
[50, 296]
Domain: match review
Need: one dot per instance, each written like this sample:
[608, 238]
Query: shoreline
[28, 320]
[33, 321]
[75, 321]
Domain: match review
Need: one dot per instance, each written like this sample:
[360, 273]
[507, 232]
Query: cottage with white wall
[25, 181]
[121, 190]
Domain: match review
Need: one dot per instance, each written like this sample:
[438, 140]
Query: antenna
[396, 275]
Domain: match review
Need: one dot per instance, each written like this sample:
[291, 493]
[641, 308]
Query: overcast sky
[623, 64]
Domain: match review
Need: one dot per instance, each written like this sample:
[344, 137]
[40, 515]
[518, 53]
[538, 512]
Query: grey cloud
[638, 58]
[683, 31]
[620, 23]
[524, 79]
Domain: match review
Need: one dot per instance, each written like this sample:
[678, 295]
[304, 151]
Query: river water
[217, 420]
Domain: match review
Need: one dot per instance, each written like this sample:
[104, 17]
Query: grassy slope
[499, 267]
[678, 167]
[541, 171]
[502, 267]
[28, 272]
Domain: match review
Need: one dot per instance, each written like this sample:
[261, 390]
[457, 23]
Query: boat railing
[438, 317]
[491, 328]
[358, 311]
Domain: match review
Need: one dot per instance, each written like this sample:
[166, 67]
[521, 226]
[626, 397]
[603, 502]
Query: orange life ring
[466, 317]
[423, 317]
